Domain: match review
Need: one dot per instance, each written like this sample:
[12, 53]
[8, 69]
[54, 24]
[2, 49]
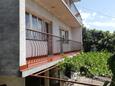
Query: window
[36, 28]
[64, 35]
[45, 30]
[27, 21]
[36, 23]
[39, 24]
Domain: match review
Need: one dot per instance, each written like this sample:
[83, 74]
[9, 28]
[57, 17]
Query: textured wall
[9, 37]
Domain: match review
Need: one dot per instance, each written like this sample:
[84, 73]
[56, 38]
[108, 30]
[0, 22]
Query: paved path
[89, 81]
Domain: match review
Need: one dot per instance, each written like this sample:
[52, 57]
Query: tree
[95, 40]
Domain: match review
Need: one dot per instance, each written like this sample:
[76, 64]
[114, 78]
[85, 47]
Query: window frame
[29, 20]
[65, 38]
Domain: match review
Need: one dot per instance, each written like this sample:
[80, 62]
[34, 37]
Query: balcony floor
[38, 61]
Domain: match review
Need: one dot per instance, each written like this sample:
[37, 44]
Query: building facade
[33, 35]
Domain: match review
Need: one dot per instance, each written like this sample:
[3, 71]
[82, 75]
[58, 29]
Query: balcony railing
[74, 10]
[43, 44]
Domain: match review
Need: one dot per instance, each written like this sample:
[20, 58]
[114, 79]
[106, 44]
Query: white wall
[22, 33]
[77, 34]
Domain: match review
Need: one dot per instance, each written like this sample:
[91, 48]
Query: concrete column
[62, 83]
[47, 80]
[22, 33]
[61, 76]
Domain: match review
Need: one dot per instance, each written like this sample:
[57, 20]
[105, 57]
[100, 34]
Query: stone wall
[9, 37]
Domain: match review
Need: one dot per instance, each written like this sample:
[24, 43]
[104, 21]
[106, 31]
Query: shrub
[95, 40]
[95, 62]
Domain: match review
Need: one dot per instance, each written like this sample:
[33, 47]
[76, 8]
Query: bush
[95, 40]
[95, 62]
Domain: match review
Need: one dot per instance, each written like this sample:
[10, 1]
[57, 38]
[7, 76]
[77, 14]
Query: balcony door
[38, 38]
[64, 40]
[48, 27]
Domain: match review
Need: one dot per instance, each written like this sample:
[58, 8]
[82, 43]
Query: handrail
[50, 34]
[42, 43]
[75, 6]
[79, 19]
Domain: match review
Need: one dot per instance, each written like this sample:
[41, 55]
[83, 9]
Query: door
[48, 27]
[61, 40]
[64, 43]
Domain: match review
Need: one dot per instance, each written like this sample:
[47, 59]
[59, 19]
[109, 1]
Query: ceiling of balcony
[60, 10]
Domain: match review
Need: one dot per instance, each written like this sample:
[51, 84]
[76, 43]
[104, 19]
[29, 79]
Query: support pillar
[62, 83]
[61, 76]
[47, 80]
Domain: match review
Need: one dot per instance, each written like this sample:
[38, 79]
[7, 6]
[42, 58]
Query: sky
[98, 14]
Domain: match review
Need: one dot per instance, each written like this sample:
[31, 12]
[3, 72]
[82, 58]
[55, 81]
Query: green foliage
[95, 40]
[67, 66]
[96, 62]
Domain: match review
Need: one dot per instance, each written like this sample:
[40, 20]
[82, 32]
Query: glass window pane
[66, 35]
[63, 34]
[34, 23]
[37, 23]
[27, 21]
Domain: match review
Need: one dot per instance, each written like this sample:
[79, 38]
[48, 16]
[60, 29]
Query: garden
[95, 62]
[97, 59]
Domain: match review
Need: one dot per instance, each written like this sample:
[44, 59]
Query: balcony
[44, 47]
[73, 9]
[44, 44]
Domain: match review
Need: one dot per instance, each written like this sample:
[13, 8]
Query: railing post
[61, 45]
